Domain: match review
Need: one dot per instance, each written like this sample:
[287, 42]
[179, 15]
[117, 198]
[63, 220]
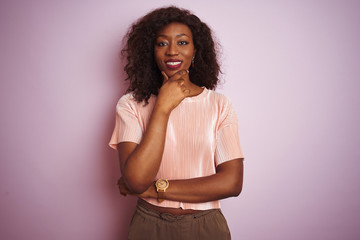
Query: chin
[171, 72]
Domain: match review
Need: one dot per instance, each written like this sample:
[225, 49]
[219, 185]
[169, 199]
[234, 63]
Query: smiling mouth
[173, 64]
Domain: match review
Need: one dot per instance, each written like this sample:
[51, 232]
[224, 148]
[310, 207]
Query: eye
[183, 43]
[161, 44]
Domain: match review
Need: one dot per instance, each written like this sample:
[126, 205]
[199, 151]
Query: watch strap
[161, 196]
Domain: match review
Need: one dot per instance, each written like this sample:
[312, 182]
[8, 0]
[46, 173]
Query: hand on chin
[171, 73]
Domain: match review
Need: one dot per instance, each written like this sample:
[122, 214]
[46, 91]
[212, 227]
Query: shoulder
[219, 99]
[126, 98]
[127, 101]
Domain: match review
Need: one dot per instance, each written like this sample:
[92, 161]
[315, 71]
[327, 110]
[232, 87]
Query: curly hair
[142, 72]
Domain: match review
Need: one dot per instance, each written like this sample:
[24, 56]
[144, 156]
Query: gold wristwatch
[161, 186]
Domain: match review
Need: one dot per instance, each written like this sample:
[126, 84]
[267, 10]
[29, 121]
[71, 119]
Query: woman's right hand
[173, 91]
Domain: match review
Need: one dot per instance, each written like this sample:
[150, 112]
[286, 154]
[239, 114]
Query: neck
[194, 89]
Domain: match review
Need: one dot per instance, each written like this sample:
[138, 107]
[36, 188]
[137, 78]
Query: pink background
[291, 68]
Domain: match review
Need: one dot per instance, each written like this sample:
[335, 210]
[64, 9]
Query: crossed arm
[227, 182]
[139, 163]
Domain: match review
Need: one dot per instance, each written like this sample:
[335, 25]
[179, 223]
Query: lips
[173, 63]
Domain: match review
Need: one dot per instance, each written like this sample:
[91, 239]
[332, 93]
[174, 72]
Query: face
[174, 48]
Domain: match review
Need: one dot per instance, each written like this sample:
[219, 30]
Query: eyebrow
[179, 35]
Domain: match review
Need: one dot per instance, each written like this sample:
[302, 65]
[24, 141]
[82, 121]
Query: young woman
[177, 139]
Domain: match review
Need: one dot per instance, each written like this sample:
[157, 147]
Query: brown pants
[148, 224]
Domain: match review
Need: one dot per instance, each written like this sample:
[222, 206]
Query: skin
[139, 163]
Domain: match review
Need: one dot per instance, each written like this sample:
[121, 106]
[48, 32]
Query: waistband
[143, 209]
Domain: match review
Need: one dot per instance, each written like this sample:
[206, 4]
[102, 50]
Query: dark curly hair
[142, 72]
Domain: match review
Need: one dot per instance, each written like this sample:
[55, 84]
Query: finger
[179, 74]
[120, 181]
[166, 78]
[123, 190]
[124, 194]
[181, 82]
[182, 72]
[186, 92]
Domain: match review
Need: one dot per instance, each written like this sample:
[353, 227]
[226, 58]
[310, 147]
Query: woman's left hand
[123, 188]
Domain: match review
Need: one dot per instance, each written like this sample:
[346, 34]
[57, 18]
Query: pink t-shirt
[202, 133]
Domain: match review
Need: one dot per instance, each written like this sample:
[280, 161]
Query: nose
[172, 50]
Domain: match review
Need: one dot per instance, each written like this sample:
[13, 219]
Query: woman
[177, 139]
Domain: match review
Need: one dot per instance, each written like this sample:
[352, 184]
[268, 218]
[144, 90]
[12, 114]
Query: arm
[227, 182]
[140, 163]
[228, 179]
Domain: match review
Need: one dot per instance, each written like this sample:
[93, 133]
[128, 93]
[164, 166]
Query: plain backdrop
[291, 69]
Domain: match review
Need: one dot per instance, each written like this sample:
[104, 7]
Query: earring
[192, 61]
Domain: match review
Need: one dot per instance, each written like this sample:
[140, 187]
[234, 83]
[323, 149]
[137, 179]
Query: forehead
[175, 29]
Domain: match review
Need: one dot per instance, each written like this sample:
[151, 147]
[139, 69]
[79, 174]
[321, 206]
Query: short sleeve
[227, 139]
[127, 127]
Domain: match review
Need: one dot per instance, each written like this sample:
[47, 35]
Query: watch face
[162, 184]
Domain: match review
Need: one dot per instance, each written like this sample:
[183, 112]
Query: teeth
[173, 63]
